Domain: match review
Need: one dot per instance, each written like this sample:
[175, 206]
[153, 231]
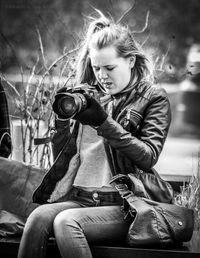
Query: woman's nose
[102, 74]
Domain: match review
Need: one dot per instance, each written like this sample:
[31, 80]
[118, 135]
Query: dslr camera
[69, 102]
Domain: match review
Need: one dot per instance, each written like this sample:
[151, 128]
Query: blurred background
[169, 31]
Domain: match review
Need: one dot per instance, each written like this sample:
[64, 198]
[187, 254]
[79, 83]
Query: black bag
[153, 222]
[158, 223]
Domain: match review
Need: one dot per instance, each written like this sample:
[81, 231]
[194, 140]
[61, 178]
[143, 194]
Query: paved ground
[180, 154]
[179, 157]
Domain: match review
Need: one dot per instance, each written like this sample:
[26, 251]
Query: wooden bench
[9, 248]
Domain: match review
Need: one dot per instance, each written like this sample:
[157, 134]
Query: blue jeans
[86, 218]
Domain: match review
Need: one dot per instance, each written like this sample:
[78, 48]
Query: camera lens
[68, 105]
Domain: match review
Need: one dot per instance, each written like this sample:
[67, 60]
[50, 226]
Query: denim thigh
[103, 224]
[39, 227]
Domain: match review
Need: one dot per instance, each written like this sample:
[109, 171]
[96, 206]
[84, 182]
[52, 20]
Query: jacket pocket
[132, 121]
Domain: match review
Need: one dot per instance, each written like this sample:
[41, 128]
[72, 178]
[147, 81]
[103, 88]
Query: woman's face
[111, 71]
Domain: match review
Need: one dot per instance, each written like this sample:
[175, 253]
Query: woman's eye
[96, 69]
[110, 68]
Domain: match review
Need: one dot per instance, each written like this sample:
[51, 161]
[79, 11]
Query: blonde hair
[103, 32]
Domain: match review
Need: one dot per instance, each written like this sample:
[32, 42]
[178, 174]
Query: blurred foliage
[30, 98]
[173, 26]
[189, 196]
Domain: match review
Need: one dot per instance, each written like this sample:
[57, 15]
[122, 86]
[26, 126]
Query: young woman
[122, 132]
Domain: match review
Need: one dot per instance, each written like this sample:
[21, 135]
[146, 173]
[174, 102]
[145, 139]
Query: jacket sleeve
[144, 149]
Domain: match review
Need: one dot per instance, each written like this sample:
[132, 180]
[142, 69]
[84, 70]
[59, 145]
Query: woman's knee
[41, 216]
[67, 218]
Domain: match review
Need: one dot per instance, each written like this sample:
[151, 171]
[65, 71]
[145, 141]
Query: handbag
[158, 223]
[153, 222]
[148, 185]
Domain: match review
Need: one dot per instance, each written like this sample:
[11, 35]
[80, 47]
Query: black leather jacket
[134, 136]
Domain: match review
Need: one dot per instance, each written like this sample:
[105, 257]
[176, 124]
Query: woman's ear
[132, 61]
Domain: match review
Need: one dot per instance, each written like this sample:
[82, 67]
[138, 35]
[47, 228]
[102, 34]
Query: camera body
[70, 101]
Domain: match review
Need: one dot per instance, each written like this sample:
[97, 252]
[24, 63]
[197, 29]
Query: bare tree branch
[145, 25]
[16, 93]
[31, 77]
[41, 47]
[124, 14]
[49, 68]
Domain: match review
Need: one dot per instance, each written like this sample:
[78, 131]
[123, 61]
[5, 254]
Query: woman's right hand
[93, 115]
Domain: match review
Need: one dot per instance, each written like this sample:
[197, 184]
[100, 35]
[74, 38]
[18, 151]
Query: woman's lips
[107, 85]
